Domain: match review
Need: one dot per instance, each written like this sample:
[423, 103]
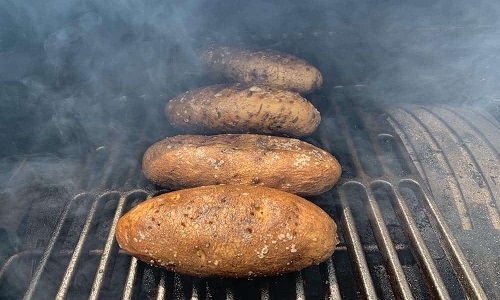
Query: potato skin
[266, 67]
[286, 164]
[228, 231]
[241, 109]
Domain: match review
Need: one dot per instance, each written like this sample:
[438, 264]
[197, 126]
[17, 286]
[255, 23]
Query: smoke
[433, 51]
[76, 76]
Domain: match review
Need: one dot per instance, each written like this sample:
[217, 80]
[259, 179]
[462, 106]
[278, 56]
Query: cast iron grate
[395, 243]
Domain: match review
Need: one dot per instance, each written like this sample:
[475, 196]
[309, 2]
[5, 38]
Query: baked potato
[265, 67]
[243, 109]
[286, 164]
[228, 231]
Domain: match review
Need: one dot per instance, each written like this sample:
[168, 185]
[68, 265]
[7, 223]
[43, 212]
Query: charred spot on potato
[313, 117]
[255, 180]
[258, 211]
[260, 108]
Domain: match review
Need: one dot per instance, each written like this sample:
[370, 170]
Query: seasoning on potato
[287, 164]
[271, 68]
[243, 109]
[228, 231]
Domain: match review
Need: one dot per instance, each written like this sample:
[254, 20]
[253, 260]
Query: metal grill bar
[433, 278]
[478, 153]
[447, 134]
[68, 275]
[299, 287]
[96, 286]
[394, 268]
[129, 283]
[264, 290]
[356, 252]
[162, 289]
[357, 255]
[399, 281]
[229, 293]
[461, 266]
[332, 280]
[466, 276]
[367, 179]
[48, 250]
[488, 126]
[194, 293]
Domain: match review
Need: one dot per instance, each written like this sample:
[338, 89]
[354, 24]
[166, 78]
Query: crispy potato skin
[243, 109]
[276, 69]
[228, 231]
[286, 164]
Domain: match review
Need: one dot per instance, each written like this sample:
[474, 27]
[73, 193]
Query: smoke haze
[75, 76]
[75, 73]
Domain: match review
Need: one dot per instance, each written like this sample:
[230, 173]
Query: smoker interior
[416, 207]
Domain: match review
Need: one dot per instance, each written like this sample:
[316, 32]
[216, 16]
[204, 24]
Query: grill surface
[395, 240]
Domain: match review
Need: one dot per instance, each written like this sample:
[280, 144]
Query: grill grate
[395, 243]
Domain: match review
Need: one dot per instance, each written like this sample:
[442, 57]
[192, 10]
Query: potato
[287, 164]
[241, 109]
[228, 231]
[276, 69]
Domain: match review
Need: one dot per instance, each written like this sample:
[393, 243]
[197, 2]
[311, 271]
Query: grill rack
[395, 261]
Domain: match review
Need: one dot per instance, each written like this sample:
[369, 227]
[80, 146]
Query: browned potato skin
[286, 164]
[240, 109]
[276, 69]
[228, 231]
